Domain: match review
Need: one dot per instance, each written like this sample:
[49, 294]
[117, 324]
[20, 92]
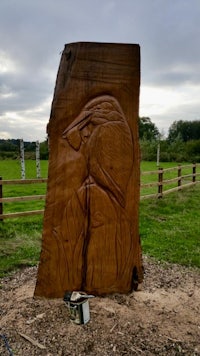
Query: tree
[8, 146]
[147, 129]
[184, 131]
[44, 152]
[193, 150]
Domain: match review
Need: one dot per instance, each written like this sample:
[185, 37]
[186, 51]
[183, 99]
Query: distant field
[186, 170]
[11, 169]
[169, 227]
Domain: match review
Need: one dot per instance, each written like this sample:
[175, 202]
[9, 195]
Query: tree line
[10, 149]
[182, 143]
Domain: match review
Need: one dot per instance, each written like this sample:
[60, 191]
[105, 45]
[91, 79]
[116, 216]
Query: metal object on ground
[78, 305]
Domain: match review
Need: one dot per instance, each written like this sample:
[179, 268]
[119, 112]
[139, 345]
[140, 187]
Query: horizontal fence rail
[181, 181]
[20, 198]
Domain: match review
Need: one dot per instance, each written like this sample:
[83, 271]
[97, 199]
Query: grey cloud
[22, 130]
[26, 92]
[33, 34]
[173, 77]
[188, 111]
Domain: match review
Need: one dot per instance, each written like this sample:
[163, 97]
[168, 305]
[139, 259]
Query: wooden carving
[90, 235]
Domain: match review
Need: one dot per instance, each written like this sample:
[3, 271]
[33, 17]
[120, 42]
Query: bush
[177, 151]
[148, 150]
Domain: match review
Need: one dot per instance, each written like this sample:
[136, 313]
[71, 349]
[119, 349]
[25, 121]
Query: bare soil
[161, 318]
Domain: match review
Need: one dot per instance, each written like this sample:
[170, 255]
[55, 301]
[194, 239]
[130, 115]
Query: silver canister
[78, 305]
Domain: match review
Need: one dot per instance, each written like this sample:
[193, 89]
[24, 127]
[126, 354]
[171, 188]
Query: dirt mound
[161, 318]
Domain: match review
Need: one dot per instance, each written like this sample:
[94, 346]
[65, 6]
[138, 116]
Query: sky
[33, 35]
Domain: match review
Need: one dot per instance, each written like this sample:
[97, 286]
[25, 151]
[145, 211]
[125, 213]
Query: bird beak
[72, 132]
[80, 122]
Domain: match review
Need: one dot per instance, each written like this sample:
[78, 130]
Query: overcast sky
[33, 33]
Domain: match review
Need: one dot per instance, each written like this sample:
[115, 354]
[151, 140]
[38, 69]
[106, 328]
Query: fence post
[37, 154]
[160, 182]
[179, 176]
[22, 159]
[158, 155]
[1, 196]
[194, 173]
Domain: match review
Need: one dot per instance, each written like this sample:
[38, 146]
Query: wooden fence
[21, 198]
[180, 180]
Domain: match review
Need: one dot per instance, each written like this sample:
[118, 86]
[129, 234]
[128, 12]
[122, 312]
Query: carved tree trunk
[90, 235]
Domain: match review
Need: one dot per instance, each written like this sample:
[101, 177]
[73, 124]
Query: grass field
[10, 169]
[169, 227]
[186, 169]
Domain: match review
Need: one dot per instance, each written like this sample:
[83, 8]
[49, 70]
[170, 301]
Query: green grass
[10, 169]
[169, 227]
[20, 243]
[20, 238]
[151, 178]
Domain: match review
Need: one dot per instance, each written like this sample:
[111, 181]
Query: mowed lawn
[169, 227]
[11, 169]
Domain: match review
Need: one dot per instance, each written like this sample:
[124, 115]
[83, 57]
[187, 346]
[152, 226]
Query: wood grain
[90, 236]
